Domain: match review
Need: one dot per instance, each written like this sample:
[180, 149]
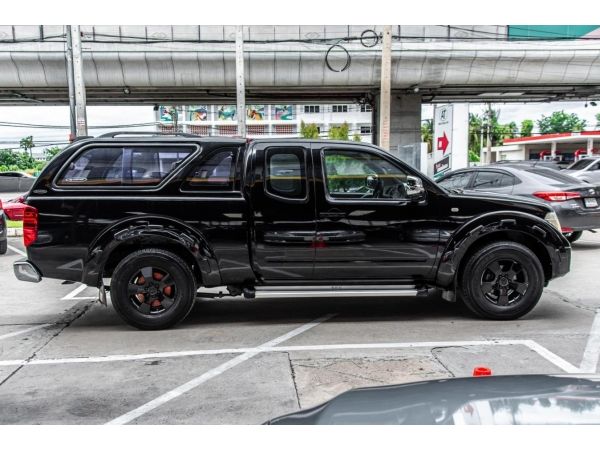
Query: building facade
[266, 120]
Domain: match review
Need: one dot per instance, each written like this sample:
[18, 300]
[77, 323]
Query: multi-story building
[267, 120]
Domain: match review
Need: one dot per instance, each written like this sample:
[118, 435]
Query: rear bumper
[577, 218]
[561, 264]
[26, 271]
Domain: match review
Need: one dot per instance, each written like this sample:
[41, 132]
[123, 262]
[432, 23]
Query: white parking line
[26, 330]
[532, 345]
[16, 250]
[591, 354]
[78, 290]
[168, 396]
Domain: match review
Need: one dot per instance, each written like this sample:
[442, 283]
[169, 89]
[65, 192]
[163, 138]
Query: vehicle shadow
[295, 310]
[585, 245]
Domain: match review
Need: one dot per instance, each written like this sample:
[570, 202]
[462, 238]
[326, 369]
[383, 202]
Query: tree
[340, 133]
[310, 131]
[526, 127]
[427, 133]
[356, 137]
[27, 144]
[598, 120]
[475, 126]
[51, 152]
[561, 122]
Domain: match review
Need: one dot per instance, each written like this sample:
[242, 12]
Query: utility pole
[80, 100]
[240, 81]
[488, 156]
[386, 88]
[71, 84]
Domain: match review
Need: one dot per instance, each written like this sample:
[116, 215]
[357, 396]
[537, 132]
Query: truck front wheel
[502, 281]
[153, 289]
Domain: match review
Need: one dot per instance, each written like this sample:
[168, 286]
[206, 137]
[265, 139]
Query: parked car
[3, 241]
[14, 181]
[495, 400]
[586, 169]
[555, 165]
[161, 216]
[577, 204]
[15, 208]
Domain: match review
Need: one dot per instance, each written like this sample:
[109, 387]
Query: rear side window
[123, 166]
[491, 180]
[553, 175]
[216, 172]
[458, 181]
[286, 173]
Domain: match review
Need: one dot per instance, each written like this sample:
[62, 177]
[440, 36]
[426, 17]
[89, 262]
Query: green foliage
[561, 122]
[526, 127]
[340, 133]
[27, 144]
[427, 133]
[309, 131]
[598, 120]
[473, 156]
[11, 160]
[356, 137]
[51, 152]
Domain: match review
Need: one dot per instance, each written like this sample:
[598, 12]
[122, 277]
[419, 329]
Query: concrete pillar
[553, 150]
[590, 146]
[405, 122]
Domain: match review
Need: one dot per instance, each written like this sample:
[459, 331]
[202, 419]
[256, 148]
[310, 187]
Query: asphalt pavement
[65, 359]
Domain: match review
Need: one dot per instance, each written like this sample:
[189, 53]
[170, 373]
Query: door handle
[332, 214]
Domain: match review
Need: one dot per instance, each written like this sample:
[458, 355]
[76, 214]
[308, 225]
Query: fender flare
[468, 234]
[150, 229]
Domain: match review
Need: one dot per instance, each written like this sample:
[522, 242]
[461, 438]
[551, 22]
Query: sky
[126, 114]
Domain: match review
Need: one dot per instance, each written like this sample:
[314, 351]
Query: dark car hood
[513, 399]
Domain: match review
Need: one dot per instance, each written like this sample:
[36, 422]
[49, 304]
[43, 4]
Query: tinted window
[595, 166]
[215, 172]
[361, 175]
[553, 175]
[579, 165]
[123, 166]
[458, 181]
[488, 180]
[285, 174]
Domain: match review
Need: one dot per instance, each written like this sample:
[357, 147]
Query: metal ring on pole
[348, 58]
[373, 35]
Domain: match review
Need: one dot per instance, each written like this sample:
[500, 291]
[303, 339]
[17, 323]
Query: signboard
[226, 112]
[442, 139]
[284, 112]
[167, 113]
[198, 113]
[255, 112]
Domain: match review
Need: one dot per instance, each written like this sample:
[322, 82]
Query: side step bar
[332, 291]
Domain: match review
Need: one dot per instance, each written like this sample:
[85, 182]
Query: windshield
[554, 175]
[581, 164]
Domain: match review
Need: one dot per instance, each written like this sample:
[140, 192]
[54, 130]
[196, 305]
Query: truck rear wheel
[153, 289]
[502, 281]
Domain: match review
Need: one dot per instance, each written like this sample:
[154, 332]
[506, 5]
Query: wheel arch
[165, 233]
[536, 234]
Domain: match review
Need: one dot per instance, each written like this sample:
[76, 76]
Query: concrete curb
[14, 232]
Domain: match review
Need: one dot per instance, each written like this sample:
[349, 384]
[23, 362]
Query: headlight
[552, 218]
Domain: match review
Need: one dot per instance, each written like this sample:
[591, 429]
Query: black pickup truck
[155, 218]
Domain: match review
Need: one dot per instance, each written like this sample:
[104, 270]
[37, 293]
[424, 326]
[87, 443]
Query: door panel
[366, 227]
[282, 193]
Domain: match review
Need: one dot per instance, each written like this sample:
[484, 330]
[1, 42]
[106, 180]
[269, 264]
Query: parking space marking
[26, 330]
[78, 290]
[16, 250]
[532, 345]
[591, 354]
[206, 376]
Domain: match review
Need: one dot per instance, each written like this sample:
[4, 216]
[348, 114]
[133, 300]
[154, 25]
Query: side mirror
[414, 188]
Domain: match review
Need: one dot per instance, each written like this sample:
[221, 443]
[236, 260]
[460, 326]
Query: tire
[3, 247]
[491, 282]
[140, 286]
[573, 236]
